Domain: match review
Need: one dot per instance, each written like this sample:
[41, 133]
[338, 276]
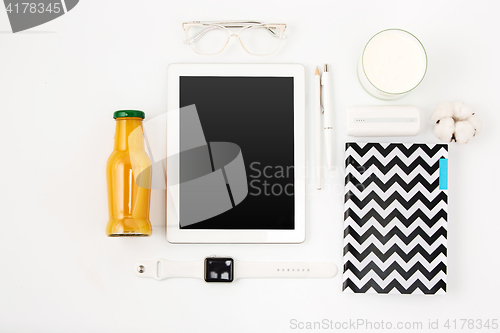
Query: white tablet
[236, 153]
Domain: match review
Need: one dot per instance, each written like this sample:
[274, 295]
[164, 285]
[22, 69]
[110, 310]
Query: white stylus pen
[328, 122]
[318, 111]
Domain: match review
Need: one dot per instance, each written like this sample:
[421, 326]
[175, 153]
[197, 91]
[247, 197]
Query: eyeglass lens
[260, 40]
[207, 39]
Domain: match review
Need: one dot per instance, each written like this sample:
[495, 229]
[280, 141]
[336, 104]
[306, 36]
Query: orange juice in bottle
[128, 165]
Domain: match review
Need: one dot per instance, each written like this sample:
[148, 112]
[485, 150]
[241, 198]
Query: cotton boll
[461, 111]
[443, 110]
[455, 122]
[464, 131]
[476, 122]
[444, 129]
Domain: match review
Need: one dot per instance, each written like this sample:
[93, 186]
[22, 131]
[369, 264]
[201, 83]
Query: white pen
[328, 122]
[317, 111]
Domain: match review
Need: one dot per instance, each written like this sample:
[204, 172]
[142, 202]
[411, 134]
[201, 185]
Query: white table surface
[60, 83]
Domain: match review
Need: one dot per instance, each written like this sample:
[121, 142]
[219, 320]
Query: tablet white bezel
[174, 233]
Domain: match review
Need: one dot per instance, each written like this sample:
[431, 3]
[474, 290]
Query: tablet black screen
[256, 115]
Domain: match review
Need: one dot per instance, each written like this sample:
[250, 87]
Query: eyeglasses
[257, 38]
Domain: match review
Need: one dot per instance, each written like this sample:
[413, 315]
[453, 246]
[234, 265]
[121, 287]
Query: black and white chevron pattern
[395, 219]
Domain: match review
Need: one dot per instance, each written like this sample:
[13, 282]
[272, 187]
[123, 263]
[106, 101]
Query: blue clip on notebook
[395, 219]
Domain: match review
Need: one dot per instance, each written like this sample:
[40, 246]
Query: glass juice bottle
[128, 167]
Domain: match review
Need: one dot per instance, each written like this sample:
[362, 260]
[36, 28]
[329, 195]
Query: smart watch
[226, 269]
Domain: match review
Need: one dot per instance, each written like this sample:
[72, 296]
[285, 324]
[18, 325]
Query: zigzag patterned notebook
[395, 219]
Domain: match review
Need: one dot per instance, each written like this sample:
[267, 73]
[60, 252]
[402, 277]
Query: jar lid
[129, 113]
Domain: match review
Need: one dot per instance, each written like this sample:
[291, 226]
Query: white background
[59, 85]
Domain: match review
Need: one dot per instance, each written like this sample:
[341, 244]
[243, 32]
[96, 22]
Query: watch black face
[219, 269]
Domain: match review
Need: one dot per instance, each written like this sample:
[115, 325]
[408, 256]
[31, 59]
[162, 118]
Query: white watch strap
[284, 270]
[160, 269]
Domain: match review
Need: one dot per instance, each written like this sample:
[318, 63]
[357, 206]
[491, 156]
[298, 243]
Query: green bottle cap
[129, 113]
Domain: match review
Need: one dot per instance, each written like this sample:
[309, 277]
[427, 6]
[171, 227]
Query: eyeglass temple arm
[207, 29]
